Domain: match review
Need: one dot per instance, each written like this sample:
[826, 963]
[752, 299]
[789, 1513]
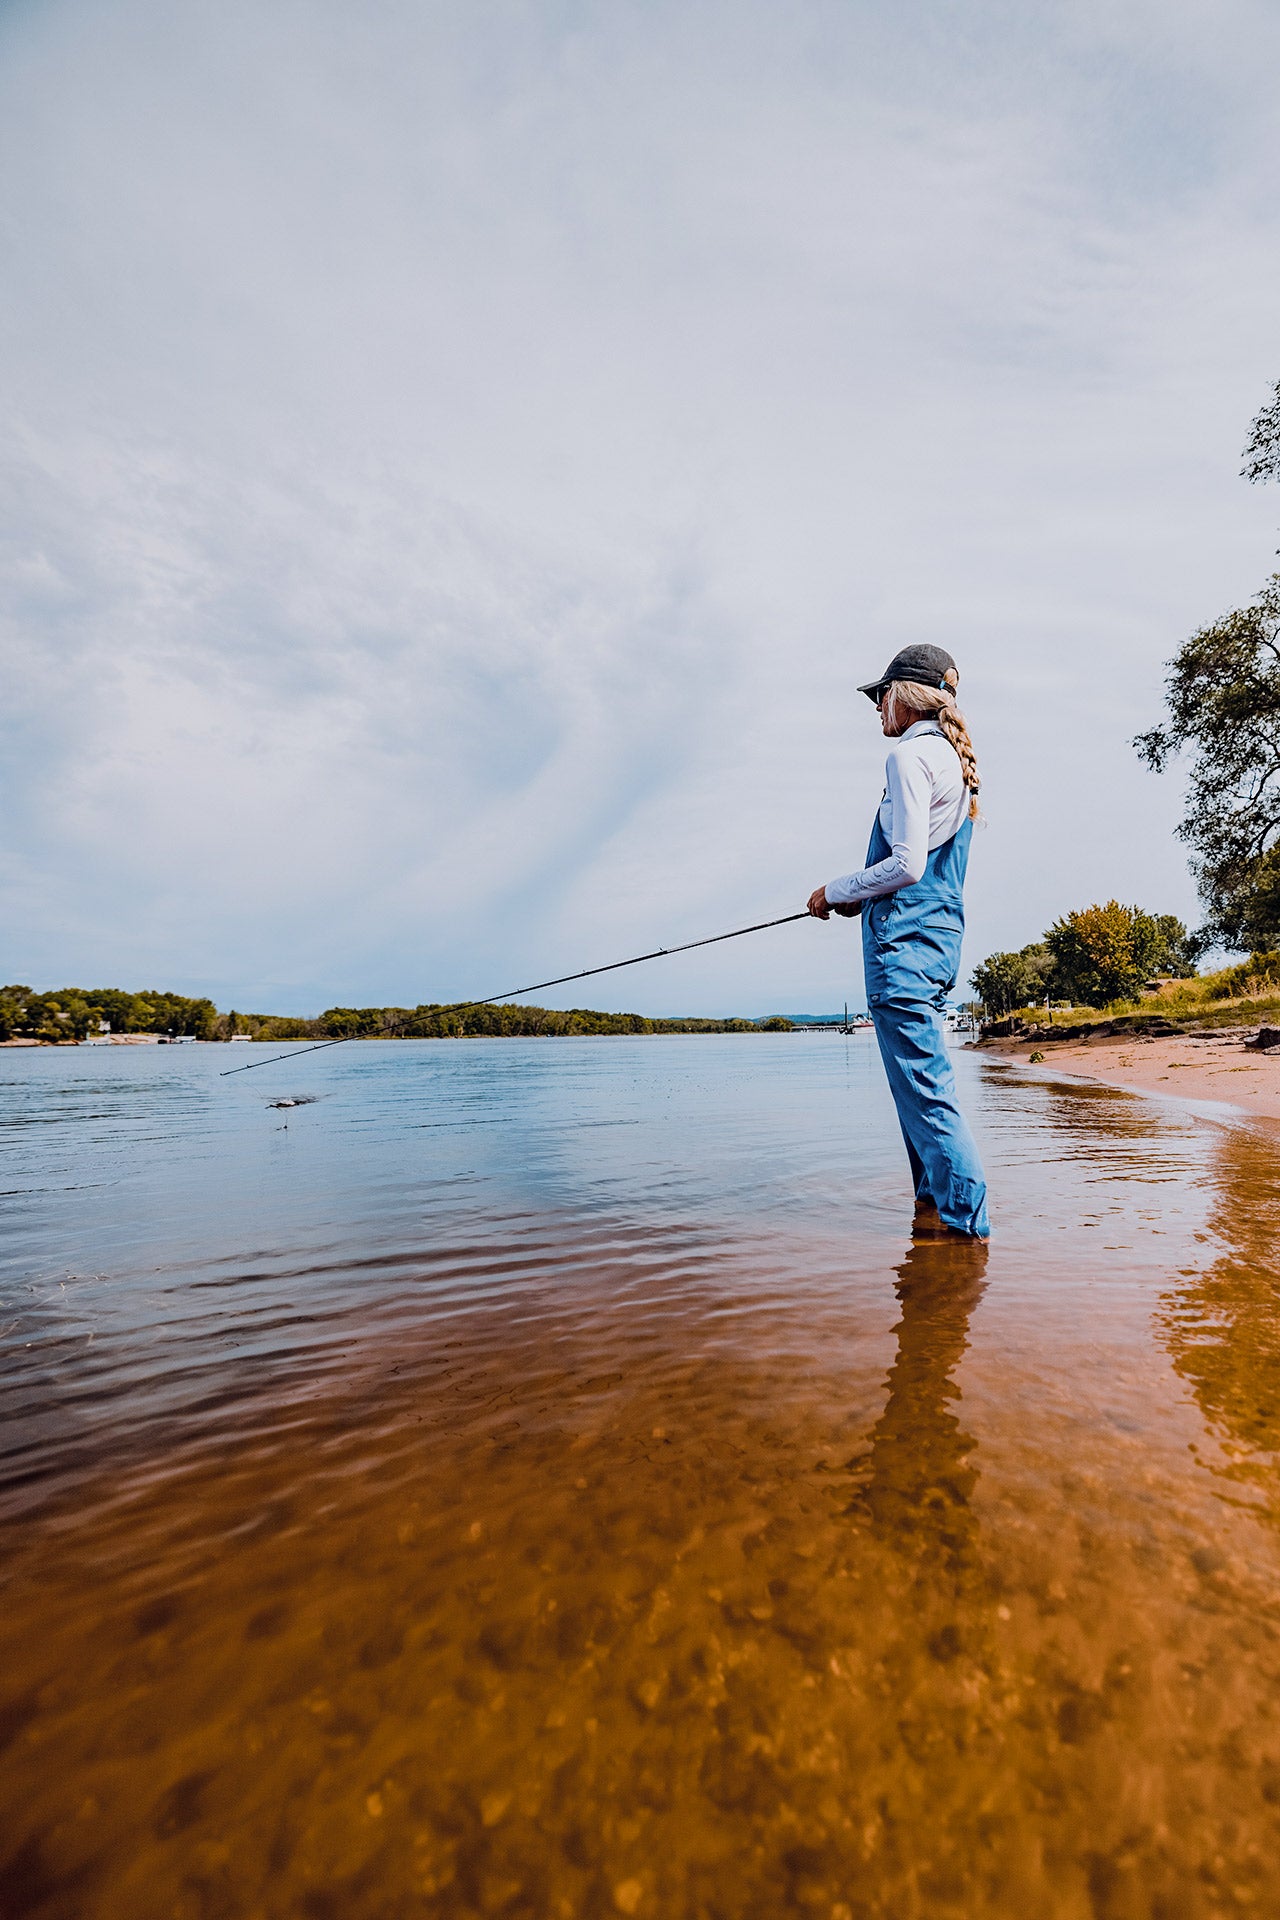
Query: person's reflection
[917, 1480]
[1222, 1327]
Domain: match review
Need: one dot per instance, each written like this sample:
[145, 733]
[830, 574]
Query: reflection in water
[1223, 1325]
[520, 1628]
[546, 1635]
[919, 1483]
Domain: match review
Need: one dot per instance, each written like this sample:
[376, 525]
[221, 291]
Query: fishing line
[513, 993]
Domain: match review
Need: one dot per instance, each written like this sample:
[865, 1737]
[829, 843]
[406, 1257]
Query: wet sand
[652, 1568]
[1213, 1066]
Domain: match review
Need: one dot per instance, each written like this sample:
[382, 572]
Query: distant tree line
[1089, 958]
[73, 1013]
[78, 1013]
[434, 1021]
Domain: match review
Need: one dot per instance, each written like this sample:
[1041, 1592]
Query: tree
[1104, 953]
[1223, 696]
[1177, 950]
[79, 1018]
[1223, 699]
[351, 1023]
[1008, 980]
[1262, 452]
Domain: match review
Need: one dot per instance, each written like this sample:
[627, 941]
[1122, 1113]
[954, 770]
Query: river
[543, 1479]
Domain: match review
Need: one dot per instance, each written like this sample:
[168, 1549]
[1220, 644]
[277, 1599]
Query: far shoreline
[304, 1042]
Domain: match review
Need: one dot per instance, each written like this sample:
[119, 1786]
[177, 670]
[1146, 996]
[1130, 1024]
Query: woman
[912, 888]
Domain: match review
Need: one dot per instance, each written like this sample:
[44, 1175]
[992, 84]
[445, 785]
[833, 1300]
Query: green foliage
[436, 1022]
[1223, 698]
[175, 1014]
[1255, 976]
[1262, 454]
[352, 1023]
[1090, 958]
[14, 1018]
[73, 1013]
[1105, 953]
[1008, 980]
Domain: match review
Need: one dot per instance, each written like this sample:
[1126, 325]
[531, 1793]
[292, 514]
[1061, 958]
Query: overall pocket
[879, 914]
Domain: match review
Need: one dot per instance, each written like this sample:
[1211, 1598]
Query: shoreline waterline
[1214, 1069]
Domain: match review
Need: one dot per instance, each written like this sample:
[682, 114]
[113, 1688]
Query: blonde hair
[939, 703]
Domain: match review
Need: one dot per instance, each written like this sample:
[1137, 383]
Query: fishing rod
[513, 993]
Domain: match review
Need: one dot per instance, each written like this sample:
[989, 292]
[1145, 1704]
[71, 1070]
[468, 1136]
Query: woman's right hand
[819, 906]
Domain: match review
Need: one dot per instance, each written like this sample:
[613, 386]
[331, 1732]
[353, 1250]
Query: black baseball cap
[928, 666]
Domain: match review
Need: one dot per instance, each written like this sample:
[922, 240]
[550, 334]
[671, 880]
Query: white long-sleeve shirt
[925, 800]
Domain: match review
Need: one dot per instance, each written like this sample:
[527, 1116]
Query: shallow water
[544, 1479]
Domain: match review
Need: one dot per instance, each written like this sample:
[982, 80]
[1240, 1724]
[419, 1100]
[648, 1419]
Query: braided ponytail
[938, 703]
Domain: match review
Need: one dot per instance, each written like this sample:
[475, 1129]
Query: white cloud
[460, 462]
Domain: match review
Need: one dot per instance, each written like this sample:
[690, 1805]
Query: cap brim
[873, 689]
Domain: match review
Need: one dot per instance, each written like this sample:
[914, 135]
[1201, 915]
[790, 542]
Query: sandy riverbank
[1209, 1066]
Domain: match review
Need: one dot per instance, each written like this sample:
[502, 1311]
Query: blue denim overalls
[911, 957]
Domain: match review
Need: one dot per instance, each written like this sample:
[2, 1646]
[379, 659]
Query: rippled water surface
[546, 1479]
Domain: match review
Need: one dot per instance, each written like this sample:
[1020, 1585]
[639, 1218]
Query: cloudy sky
[458, 460]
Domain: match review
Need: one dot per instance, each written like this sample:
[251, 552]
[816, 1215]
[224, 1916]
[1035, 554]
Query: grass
[1247, 995]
